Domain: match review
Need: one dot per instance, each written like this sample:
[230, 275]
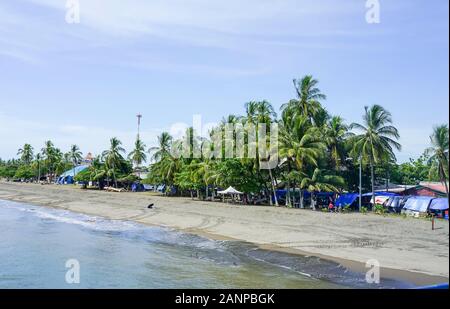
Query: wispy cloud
[243, 27]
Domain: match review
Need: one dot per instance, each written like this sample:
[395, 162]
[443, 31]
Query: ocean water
[36, 242]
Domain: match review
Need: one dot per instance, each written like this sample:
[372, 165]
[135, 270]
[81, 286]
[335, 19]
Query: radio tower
[139, 116]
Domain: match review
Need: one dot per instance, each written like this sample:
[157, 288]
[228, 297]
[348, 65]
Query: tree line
[318, 152]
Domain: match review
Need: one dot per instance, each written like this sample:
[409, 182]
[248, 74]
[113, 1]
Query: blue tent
[67, 177]
[439, 204]
[346, 199]
[380, 194]
[137, 187]
[418, 203]
[281, 194]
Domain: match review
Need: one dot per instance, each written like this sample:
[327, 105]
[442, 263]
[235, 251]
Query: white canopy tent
[230, 191]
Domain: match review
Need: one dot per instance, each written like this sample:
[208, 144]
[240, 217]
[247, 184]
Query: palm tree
[38, 160]
[318, 182]
[377, 139]
[138, 156]
[163, 148]
[97, 170]
[308, 98]
[26, 153]
[75, 156]
[335, 134]
[113, 156]
[300, 145]
[438, 153]
[50, 155]
[259, 113]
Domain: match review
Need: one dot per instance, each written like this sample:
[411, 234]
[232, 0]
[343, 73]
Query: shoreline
[298, 232]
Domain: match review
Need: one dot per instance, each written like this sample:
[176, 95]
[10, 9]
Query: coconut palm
[320, 182]
[335, 134]
[38, 161]
[258, 113]
[50, 156]
[138, 156]
[301, 146]
[163, 148]
[308, 98]
[113, 157]
[439, 153]
[26, 153]
[377, 139]
[75, 156]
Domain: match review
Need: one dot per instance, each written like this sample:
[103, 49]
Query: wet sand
[406, 248]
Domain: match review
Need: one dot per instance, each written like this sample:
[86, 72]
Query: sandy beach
[406, 248]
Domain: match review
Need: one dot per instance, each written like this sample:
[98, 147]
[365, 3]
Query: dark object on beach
[150, 206]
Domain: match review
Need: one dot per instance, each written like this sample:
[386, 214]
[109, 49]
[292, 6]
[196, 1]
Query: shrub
[346, 209]
[379, 209]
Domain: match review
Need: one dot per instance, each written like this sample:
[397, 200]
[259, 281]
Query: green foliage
[379, 209]
[24, 172]
[414, 171]
[8, 169]
[84, 176]
[364, 210]
[346, 209]
[314, 151]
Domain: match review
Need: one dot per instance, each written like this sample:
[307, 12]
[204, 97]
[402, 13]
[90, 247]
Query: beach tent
[67, 177]
[418, 204]
[346, 199]
[439, 204]
[380, 197]
[231, 191]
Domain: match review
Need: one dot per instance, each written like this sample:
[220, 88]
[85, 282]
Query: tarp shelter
[418, 204]
[439, 204]
[346, 199]
[231, 191]
[67, 177]
[137, 187]
[380, 197]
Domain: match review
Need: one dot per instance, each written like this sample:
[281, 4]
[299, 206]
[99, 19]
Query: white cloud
[242, 26]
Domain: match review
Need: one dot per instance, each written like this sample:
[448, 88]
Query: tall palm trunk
[39, 172]
[445, 183]
[74, 165]
[372, 173]
[288, 186]
[313, 202]
[301, 199]
[273, 188]
[114, 175]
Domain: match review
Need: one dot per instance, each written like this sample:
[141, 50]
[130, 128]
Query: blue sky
[170, 59]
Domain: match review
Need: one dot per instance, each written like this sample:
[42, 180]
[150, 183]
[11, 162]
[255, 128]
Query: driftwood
[112, 189]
